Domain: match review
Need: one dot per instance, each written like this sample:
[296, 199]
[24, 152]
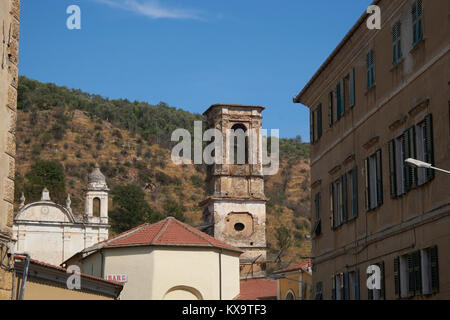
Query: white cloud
[152, 9]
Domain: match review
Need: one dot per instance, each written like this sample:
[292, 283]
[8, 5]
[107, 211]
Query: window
[397, 167]
[319, 295]
[353, 191]
[345, 286]
[417, 21]
[96, 207]
[240, 144]
[370, 70]
[396, 43]
[319, 121]
[312, 128]
[340, 99]
[337, 287]
[339, 201]
[374, 181]
[317, 227]
[351, 87]
[290, 296]
[379, 294]
[354, 276]
[330, 108]
[416, 142]
[416, 273]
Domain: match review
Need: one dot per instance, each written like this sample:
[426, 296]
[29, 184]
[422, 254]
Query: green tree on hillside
[45, 174]
[130, 208]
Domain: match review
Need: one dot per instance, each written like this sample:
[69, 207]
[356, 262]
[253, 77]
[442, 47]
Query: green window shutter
[383, 282]
[356, 284]
[396, 43]
[355, 191]
[411, 280]
[392, 169]
[417, 272]
[434, 269]
[331, 206]
[343, 96]
[341, 202]
[333, 288]
[397, 277]
[338, 101]
[352, 87]
[429, 151]
[330, 109]
[379, 178]
[319, 121]
[344, 198]
[367, 174]
[312, 127]
[368, 71]
[346, 286]
[407, 170]
[413, 154]
[369, 294]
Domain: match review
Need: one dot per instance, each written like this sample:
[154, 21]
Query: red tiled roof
[168, 232]
[258, 289]
[299, 266]
[47, 265]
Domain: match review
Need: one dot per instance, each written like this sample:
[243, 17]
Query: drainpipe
[24, 275]
[220, 274]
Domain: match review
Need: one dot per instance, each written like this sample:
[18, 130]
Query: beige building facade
[9, 50]
[382, 97]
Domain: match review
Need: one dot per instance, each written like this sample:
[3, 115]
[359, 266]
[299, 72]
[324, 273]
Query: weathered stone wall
[9, 51]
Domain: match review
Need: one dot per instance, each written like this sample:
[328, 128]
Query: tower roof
[96, 176]
[225, 105]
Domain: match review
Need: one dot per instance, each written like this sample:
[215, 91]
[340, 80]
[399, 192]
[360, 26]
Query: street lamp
[420, 164]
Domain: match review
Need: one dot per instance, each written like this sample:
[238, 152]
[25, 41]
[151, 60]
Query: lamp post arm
[442, 170]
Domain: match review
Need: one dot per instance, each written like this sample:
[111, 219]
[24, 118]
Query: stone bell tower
[235, 208]
[96, 198]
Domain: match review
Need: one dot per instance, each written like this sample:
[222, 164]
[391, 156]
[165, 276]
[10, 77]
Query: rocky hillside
[131, 143]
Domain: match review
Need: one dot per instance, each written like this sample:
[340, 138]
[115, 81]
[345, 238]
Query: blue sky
[189, 53]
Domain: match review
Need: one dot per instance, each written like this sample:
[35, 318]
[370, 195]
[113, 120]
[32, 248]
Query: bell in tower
[235, 207]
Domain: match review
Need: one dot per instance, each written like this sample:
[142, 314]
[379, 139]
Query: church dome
[96, 176]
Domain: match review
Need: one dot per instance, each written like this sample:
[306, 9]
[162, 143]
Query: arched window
[240, 144]
[96, 207]
[290, 296]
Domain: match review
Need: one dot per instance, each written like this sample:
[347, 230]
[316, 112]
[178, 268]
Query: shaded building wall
[403, 95]
[9, 51]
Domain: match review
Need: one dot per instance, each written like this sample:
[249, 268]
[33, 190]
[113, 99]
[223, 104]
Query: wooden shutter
[379, 166]
[333, 288]
[368, 70]
[356, 284]
[411, 280]
[397, 277]
[383, 282]
[344, 198]
[330, 108]
[346, 286]
[367, 174]
[413, 154]
[319, 121]
[355, 191]
[392, 169]
[341, 202]
[352, 87]
[338, 101]
[342, 84]
[429, 151]
[331, 206]
[434, 269]
[312, 127]
[417, 272]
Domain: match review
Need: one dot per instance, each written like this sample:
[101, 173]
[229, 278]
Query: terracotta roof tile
[258, 289]
[299, 266]
[166, 232]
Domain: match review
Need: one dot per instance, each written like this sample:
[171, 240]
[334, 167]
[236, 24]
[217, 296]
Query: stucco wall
[155, 273]
[9, 55]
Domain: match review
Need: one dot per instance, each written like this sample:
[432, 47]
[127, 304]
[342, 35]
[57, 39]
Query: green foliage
[130, 208]
[45, 174]
[284, 237]
[174, 209]
[155, 123]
